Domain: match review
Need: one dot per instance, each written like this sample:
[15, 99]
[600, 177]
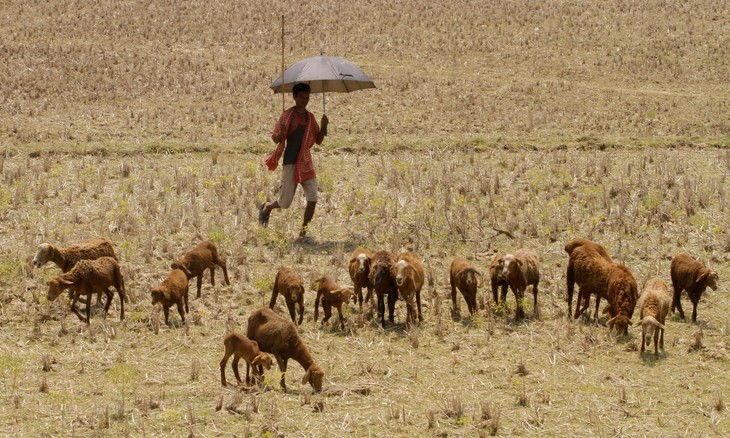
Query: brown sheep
[466, 278]
[600, 250]
[280, 337]
[197, 260]
[288, 284]
[690, 275]
[591, 272]
[331, 295]
[497, 280]
[622, 295]
[173, 290]
[87, 278]
[654, 304]
[359, 272]
[522, 269]
[241, 346]
[409, 278]
[383, 283]
[66, 258]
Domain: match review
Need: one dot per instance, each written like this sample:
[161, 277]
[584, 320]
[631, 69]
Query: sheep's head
[381, 272]
[709, 277]
[314, 376]
[263, 359]
[295, 291]
[363, 263]
[471, 277]
[510, 267]
[620, 323]
[345, 293]
[56, 287]
[157, 295]
[401, 271]
[649, 325]
[43, 255]
[178, 264]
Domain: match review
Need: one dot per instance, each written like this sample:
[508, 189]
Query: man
[295, 133]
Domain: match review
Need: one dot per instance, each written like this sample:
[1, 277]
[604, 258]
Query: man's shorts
[288, 187]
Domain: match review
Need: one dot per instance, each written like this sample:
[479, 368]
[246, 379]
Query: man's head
[301, 94]
[300, 87]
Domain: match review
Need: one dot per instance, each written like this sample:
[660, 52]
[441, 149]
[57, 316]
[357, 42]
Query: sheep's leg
[504, 292]
[180, 309]
[200, 283]
[584, 302]
[694, 308]
[166, 309]
[73, 306]
[109, 297]
[392, 297]
[418, 302]
[570, 279]
[222, 264]
[656, 342]
[453, 293]
[535, 311]
[290, 306]
[381, 308]
[88, 309]
[234, 364]
[358, 294]
[301, 310]
[495, 293]
[595, 314]
[661, 341]
[248, 368]
[185, 297]
[212, 275]
[677, 300]
[342, 318]
[282, 368]
[369, 296]
[224, 361]
[519, 301]
[643, 340]
[327, 311]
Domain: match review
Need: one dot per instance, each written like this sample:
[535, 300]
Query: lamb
[173, 290]
[196, 261]
[66, 258]
[690, 275]
[409, 278]
[466, 278]
[384, 283]
[88, 277]
[241, 346]
[654, 304]
[281, 338]
[495, 275]
[359, 272]
[600, 250]
[591, 272]
[522, 269]
[622, 295]
[331, 294]
[288, 284]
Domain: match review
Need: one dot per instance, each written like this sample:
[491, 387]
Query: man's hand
[325, 121]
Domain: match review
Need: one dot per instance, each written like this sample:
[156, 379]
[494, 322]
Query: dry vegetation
[544, 106]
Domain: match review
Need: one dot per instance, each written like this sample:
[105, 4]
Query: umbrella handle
[324, 111]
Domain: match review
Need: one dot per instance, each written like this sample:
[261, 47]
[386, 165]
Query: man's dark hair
[301, 87]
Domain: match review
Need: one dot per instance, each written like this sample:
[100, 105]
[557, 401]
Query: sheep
[600, 250]
[409, 277]
[690, 275]
[241, 346]
[332, 295]
[591, 272]
[288, 284]
[88, 277]
[466, 278]
[66, 258]
[654, 304]
[196, 261]
[173, 290]
[522, 269]
[497, 280]
[622, 294]
[280, 337]
[383, 283]
[359, 272]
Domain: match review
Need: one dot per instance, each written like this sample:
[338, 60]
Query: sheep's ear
[702, 276]
[259, 360]
[657, 324]
[67, 282]
[305, 380]
[611, 321]
[353, 260]
[639, 323]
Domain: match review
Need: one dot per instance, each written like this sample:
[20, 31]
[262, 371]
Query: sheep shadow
[649, 359]
[310, 246]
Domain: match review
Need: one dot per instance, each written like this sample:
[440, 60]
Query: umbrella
[324, 74]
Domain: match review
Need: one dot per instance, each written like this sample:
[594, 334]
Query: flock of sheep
[91, 268]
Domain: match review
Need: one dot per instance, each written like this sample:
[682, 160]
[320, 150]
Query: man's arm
[323, 129]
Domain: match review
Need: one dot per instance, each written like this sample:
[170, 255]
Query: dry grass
[501, 126]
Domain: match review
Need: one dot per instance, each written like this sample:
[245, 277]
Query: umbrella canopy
[324, 74]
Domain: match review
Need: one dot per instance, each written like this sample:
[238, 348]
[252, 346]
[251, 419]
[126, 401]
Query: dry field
[148, 123]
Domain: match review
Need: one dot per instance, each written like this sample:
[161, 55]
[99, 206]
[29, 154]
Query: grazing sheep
[495, 275]
[196, 261]
[288, 284]
[359, 272]
[622, 296]
[281, 338]
[522, 269]
[575, 243]
[86, 278]
[331, 294]
[66, 258]
[383, 283]
[409, 278]
[591, 272]
[690, 275]
[466, 278]
[241, 346]
[654, 304]
[173, 290]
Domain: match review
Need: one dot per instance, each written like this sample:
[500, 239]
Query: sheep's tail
[119, 279]
[316, 304]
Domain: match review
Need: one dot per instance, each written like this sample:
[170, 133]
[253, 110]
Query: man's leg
[286, 192]
[308, 214]
[310, 193]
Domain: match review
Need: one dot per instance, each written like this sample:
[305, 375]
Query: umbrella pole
[283, 102]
